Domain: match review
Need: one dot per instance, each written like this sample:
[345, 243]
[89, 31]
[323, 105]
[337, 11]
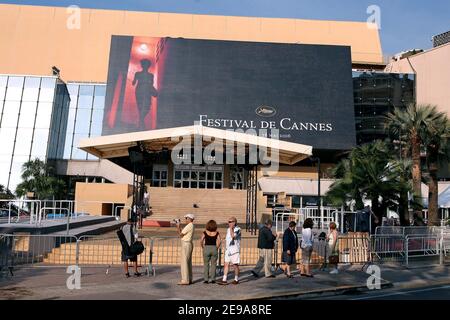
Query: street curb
[333, 291]
[423, 283]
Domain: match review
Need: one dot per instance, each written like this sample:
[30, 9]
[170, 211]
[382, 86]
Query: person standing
[290, 247]
[187, 234]
[232, 251]
[332, 249]
[210, 242]
[130, 235]
[266, 242]
[307, 247]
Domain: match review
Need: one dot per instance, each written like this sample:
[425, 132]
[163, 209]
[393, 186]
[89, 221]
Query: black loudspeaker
[361, 221]
[136, 155]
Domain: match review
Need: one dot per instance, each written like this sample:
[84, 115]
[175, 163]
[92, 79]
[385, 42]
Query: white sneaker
[334, 271]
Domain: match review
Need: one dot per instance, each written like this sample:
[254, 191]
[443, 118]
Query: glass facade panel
[44, 115]
[97, 122]
[33, 123]
[23, 141]
[40, 143]
[83, 121]
[14, 90]
[3, 82]
[10, 114]
[31, 89]
[7, 136]
[27, 114]
[78, 154]
[85, 116]
[47, 93]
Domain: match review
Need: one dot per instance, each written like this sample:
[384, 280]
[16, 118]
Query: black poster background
[309, 84]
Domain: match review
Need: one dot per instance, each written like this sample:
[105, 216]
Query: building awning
[295, 187]
[115, 146]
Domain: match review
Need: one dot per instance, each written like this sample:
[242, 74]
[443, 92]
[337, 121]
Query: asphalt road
[424, 293]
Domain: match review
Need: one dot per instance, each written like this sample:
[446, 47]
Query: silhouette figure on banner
[144, 91]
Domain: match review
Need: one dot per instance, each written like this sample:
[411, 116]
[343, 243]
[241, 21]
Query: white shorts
[233, 259]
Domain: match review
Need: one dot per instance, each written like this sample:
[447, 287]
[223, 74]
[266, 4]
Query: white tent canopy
[113, 146]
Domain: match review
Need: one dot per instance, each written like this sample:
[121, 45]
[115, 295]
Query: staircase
[170, 203]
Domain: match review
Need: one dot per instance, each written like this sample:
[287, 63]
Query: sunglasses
[230, 221]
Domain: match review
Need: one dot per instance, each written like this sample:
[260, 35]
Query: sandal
[127, 274]
[290, 276]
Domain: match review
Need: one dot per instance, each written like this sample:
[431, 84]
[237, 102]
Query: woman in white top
[332, 249]
[307, 247]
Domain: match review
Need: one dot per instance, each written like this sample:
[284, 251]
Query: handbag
[137, 248]
[334, 259]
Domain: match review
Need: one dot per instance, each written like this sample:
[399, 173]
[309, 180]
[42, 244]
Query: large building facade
[63, 110]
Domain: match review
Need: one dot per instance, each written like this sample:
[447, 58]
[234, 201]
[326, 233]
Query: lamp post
[318, 187]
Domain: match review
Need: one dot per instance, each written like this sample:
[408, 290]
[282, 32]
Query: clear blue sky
[405, 24]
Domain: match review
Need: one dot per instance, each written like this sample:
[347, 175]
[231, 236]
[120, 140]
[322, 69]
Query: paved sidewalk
[50, 283]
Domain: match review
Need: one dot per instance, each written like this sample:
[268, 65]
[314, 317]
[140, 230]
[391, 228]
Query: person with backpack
[307, 247]
[128, 236]
[290, 246]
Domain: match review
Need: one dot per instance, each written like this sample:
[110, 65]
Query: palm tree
[410, 125]
[436, 141]
[38, 178]
[5, 193]
[370, 172]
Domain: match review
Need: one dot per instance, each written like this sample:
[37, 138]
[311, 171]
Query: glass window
[10, 114]
[271, 200]
[40, 143]
[97, 122]
[27, 114]
[78, 154]
[71, 120]
[73, 90]
[295, 201]
[178, 175]
[47, 89]
[14, 90]
[85, 102]
[31, 89]
[3, 83]
[68, 145]
[44, 115]
[83, 121]
[85, 96]
[7, 136]
[99, 97]
[16, 172]
[23, 141]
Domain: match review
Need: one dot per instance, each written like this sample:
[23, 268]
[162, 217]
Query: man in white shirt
[232, 251]
[186, 235]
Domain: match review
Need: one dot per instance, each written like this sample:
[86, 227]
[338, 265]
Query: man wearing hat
[187, 246]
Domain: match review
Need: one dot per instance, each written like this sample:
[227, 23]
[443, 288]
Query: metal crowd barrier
[388, 248]
[24, 251]
[421, 246]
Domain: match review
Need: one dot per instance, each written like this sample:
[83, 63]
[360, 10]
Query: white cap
[190, 216]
